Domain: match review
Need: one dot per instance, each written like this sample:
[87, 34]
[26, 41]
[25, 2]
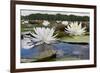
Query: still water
[65, 51]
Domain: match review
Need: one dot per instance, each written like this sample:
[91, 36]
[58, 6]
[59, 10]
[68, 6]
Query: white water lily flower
[65, 23]
[43, 35]
[58, 21]
[75, 29]
[26, 43]
[46, 23]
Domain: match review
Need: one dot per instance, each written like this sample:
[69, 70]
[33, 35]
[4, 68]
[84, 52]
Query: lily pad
[76, 39]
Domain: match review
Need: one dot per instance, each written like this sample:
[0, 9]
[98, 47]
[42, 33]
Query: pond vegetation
[54, 37]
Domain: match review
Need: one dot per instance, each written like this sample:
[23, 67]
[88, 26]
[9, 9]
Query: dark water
[74, 50]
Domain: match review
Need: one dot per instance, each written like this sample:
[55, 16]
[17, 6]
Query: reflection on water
[64, 51]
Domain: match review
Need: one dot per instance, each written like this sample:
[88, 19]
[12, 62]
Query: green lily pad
[76, 39]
